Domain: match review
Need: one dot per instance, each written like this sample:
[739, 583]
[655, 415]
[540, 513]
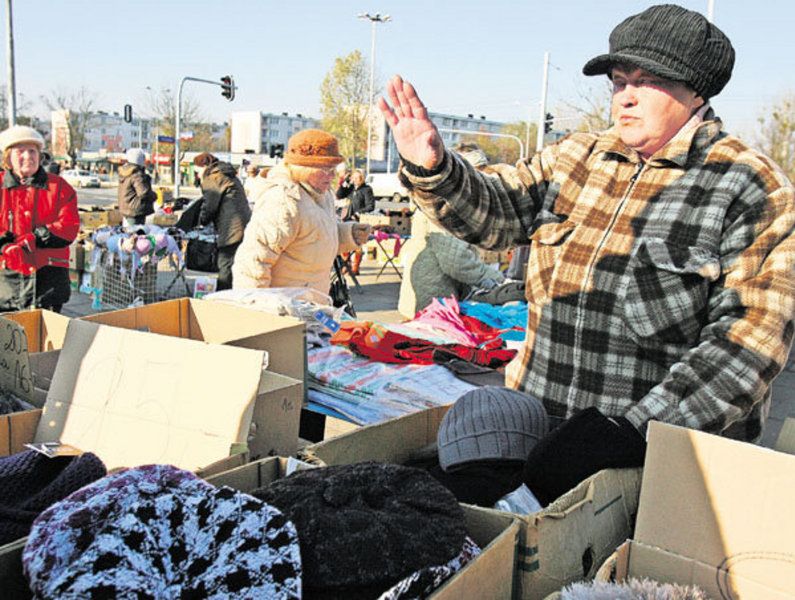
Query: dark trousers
[226, 258]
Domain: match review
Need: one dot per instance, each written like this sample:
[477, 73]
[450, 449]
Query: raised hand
[416, 137]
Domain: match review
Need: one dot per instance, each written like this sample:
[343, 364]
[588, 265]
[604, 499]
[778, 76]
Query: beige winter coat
[292, 238]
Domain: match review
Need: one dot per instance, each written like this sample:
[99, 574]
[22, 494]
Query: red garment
[51, 203]
[377, 343]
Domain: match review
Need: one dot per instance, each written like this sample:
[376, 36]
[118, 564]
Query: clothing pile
[366, 391]
[361, 531]
[31, 482]
[495, 442]
[9, 403]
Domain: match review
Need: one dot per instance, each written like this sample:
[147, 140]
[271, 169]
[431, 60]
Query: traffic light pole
[177, 171]
[542, 113]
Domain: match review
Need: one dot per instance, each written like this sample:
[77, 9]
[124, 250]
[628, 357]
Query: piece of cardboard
[15, 374]
[136, 398]
[490, 575]
[715, 513]
[276, 418]
[16, 430]
[565, 542]
[786, 437]
[283, 338]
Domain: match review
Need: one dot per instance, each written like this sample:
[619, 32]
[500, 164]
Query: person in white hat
[38, 222]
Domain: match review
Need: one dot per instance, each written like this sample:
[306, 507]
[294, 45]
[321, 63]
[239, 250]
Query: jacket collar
[700, 131]
[39, 180]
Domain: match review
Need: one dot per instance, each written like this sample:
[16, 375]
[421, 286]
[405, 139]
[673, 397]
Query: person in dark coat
[226, 207]
[362, 201]
[136, 197]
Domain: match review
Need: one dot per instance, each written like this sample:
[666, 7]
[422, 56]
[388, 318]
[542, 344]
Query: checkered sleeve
[749, 327]
[493, 212]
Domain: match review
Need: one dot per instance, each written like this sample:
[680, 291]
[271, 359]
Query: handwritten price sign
[15, 375]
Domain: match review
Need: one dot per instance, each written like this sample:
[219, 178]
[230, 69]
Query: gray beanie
[674, 43]
[136, 156]
[490, 423]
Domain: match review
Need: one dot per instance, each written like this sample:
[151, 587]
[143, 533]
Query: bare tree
[80, 104]
[776, 135]
[593, 106]
[502, 150]
[163, 106]
[23, 106]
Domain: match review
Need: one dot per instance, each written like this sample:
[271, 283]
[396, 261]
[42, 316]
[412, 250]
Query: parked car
[387, 185]
[80, 178]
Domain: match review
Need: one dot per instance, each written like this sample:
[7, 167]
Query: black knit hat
[367, 525]
[674, 43]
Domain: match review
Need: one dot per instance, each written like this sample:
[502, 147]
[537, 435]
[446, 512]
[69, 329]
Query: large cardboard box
[283, 338]
[94, 219]
[565, 542]
[714, 513]
[490, 575]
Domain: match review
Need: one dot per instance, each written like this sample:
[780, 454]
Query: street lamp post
[376, 18]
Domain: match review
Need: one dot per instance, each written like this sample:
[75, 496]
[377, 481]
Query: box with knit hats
[376, 530]
[492, 448]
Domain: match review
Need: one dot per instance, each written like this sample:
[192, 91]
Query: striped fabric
[660, 290]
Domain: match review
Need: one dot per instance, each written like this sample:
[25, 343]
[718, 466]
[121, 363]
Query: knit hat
[204, 159]
[31, 482]
[674, 43]
[160, 532]
[365, 526]
[136, 156]
[20, 134]
[490, 423]
[313, 148]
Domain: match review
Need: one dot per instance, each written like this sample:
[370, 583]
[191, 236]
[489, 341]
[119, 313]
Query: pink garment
[444, 319]
[383, 236]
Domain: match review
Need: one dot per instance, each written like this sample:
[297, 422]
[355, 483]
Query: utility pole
[12, 86]
[377, 18]
[542, 112]
[711, 11]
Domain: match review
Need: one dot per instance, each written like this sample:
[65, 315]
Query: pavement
[376, 299]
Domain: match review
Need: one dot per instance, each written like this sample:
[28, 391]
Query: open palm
[415, 135]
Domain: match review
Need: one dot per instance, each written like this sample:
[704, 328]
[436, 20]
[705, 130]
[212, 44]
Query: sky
[480, 57]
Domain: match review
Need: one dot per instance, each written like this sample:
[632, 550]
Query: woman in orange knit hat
[294, 233]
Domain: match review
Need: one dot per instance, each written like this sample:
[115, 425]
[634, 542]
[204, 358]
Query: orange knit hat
[313, 148]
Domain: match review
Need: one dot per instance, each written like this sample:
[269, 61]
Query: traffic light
[127, 113]
[228, 87]
[548, 122]
[277, 151]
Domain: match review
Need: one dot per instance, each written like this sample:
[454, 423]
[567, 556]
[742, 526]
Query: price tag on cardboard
[15, 375]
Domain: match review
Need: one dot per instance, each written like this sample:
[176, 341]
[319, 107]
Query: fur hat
[379, 523]
[313, 148]
[20, 134]
[205, 159]
[490, 424]
[674, 43]
[31, 482]
[136, 156]
[160, 532]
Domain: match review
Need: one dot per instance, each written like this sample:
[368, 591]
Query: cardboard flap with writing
[725, 504]
[136, 398]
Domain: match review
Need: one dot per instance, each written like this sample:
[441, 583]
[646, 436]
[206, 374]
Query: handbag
[202, 256]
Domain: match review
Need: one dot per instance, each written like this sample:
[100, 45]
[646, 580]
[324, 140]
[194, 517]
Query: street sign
[165, 139]
[186, 135]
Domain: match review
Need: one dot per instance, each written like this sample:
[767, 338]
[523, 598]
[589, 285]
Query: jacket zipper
[580, 319]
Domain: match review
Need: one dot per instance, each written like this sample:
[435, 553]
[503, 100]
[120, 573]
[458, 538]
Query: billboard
[61, 140]
[246, 131]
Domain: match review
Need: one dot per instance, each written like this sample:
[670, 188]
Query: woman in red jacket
[38, 221]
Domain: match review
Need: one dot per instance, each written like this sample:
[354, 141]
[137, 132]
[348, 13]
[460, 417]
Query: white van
[388, 186]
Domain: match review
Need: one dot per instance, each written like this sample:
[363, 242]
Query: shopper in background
[294, 234]
[136, 197]
[38, 222]
[226, 207]
[360, 196]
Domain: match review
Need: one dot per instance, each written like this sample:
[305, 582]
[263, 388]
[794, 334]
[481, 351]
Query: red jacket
[47, 201]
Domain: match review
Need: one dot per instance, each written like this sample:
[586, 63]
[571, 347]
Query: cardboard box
[94, 219]
[283, 338]
[714, 513]
[165, 219]
[77, 256]
[490, 575]
[565, 542]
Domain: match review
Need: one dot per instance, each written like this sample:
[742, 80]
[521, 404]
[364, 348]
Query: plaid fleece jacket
[659, 290]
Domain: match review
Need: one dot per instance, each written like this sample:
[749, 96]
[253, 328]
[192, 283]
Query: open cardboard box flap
[715, 512]
[136, 398]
